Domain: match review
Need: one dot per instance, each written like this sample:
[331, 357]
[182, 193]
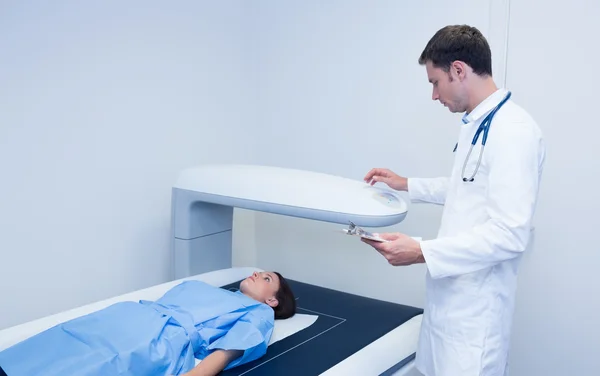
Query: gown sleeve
[511, 195]
[428, 190]
[251, 333]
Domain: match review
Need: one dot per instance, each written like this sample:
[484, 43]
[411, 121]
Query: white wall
[101, 104]
[342, 92]
[552, 65]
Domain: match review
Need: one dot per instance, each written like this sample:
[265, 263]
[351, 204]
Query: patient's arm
[215, 362]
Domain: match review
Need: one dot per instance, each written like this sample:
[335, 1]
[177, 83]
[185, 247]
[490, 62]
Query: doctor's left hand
[399, 250]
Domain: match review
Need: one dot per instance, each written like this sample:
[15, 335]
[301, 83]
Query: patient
[222, 328]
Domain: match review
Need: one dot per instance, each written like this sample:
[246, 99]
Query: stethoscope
[483, 127]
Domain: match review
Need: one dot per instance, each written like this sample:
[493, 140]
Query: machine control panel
[388, 199]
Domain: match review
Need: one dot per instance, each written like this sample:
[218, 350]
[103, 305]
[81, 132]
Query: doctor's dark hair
[287, 301]
[458, 42]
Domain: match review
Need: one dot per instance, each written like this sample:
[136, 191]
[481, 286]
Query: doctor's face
[447, 88]
[262, 286]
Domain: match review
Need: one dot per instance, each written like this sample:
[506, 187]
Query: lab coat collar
[484, 107]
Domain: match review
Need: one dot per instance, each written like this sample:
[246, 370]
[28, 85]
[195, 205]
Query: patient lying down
[192, 320]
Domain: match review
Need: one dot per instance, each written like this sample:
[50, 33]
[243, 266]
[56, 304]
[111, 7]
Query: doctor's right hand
[388, 177]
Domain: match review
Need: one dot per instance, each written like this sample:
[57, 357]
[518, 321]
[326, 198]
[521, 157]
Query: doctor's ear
[459, 69]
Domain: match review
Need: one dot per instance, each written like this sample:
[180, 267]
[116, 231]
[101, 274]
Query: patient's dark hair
[287, 302]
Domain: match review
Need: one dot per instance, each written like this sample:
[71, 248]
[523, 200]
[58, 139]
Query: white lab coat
[486, 226]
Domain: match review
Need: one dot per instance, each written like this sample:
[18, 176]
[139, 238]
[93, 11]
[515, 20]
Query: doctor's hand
[388, 177]
[399, 250]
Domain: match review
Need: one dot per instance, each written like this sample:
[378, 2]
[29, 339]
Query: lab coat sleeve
[515, 162]
[428, 190]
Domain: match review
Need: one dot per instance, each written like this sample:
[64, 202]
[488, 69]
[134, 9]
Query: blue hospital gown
[148, 338]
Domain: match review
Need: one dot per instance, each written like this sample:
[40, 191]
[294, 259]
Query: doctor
[487, 217]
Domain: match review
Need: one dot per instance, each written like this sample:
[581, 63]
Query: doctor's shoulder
[515, 126]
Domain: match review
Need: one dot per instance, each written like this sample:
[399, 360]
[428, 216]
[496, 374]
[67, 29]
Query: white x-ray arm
[204, 197]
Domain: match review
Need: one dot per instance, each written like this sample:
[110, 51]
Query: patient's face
[261, 286]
